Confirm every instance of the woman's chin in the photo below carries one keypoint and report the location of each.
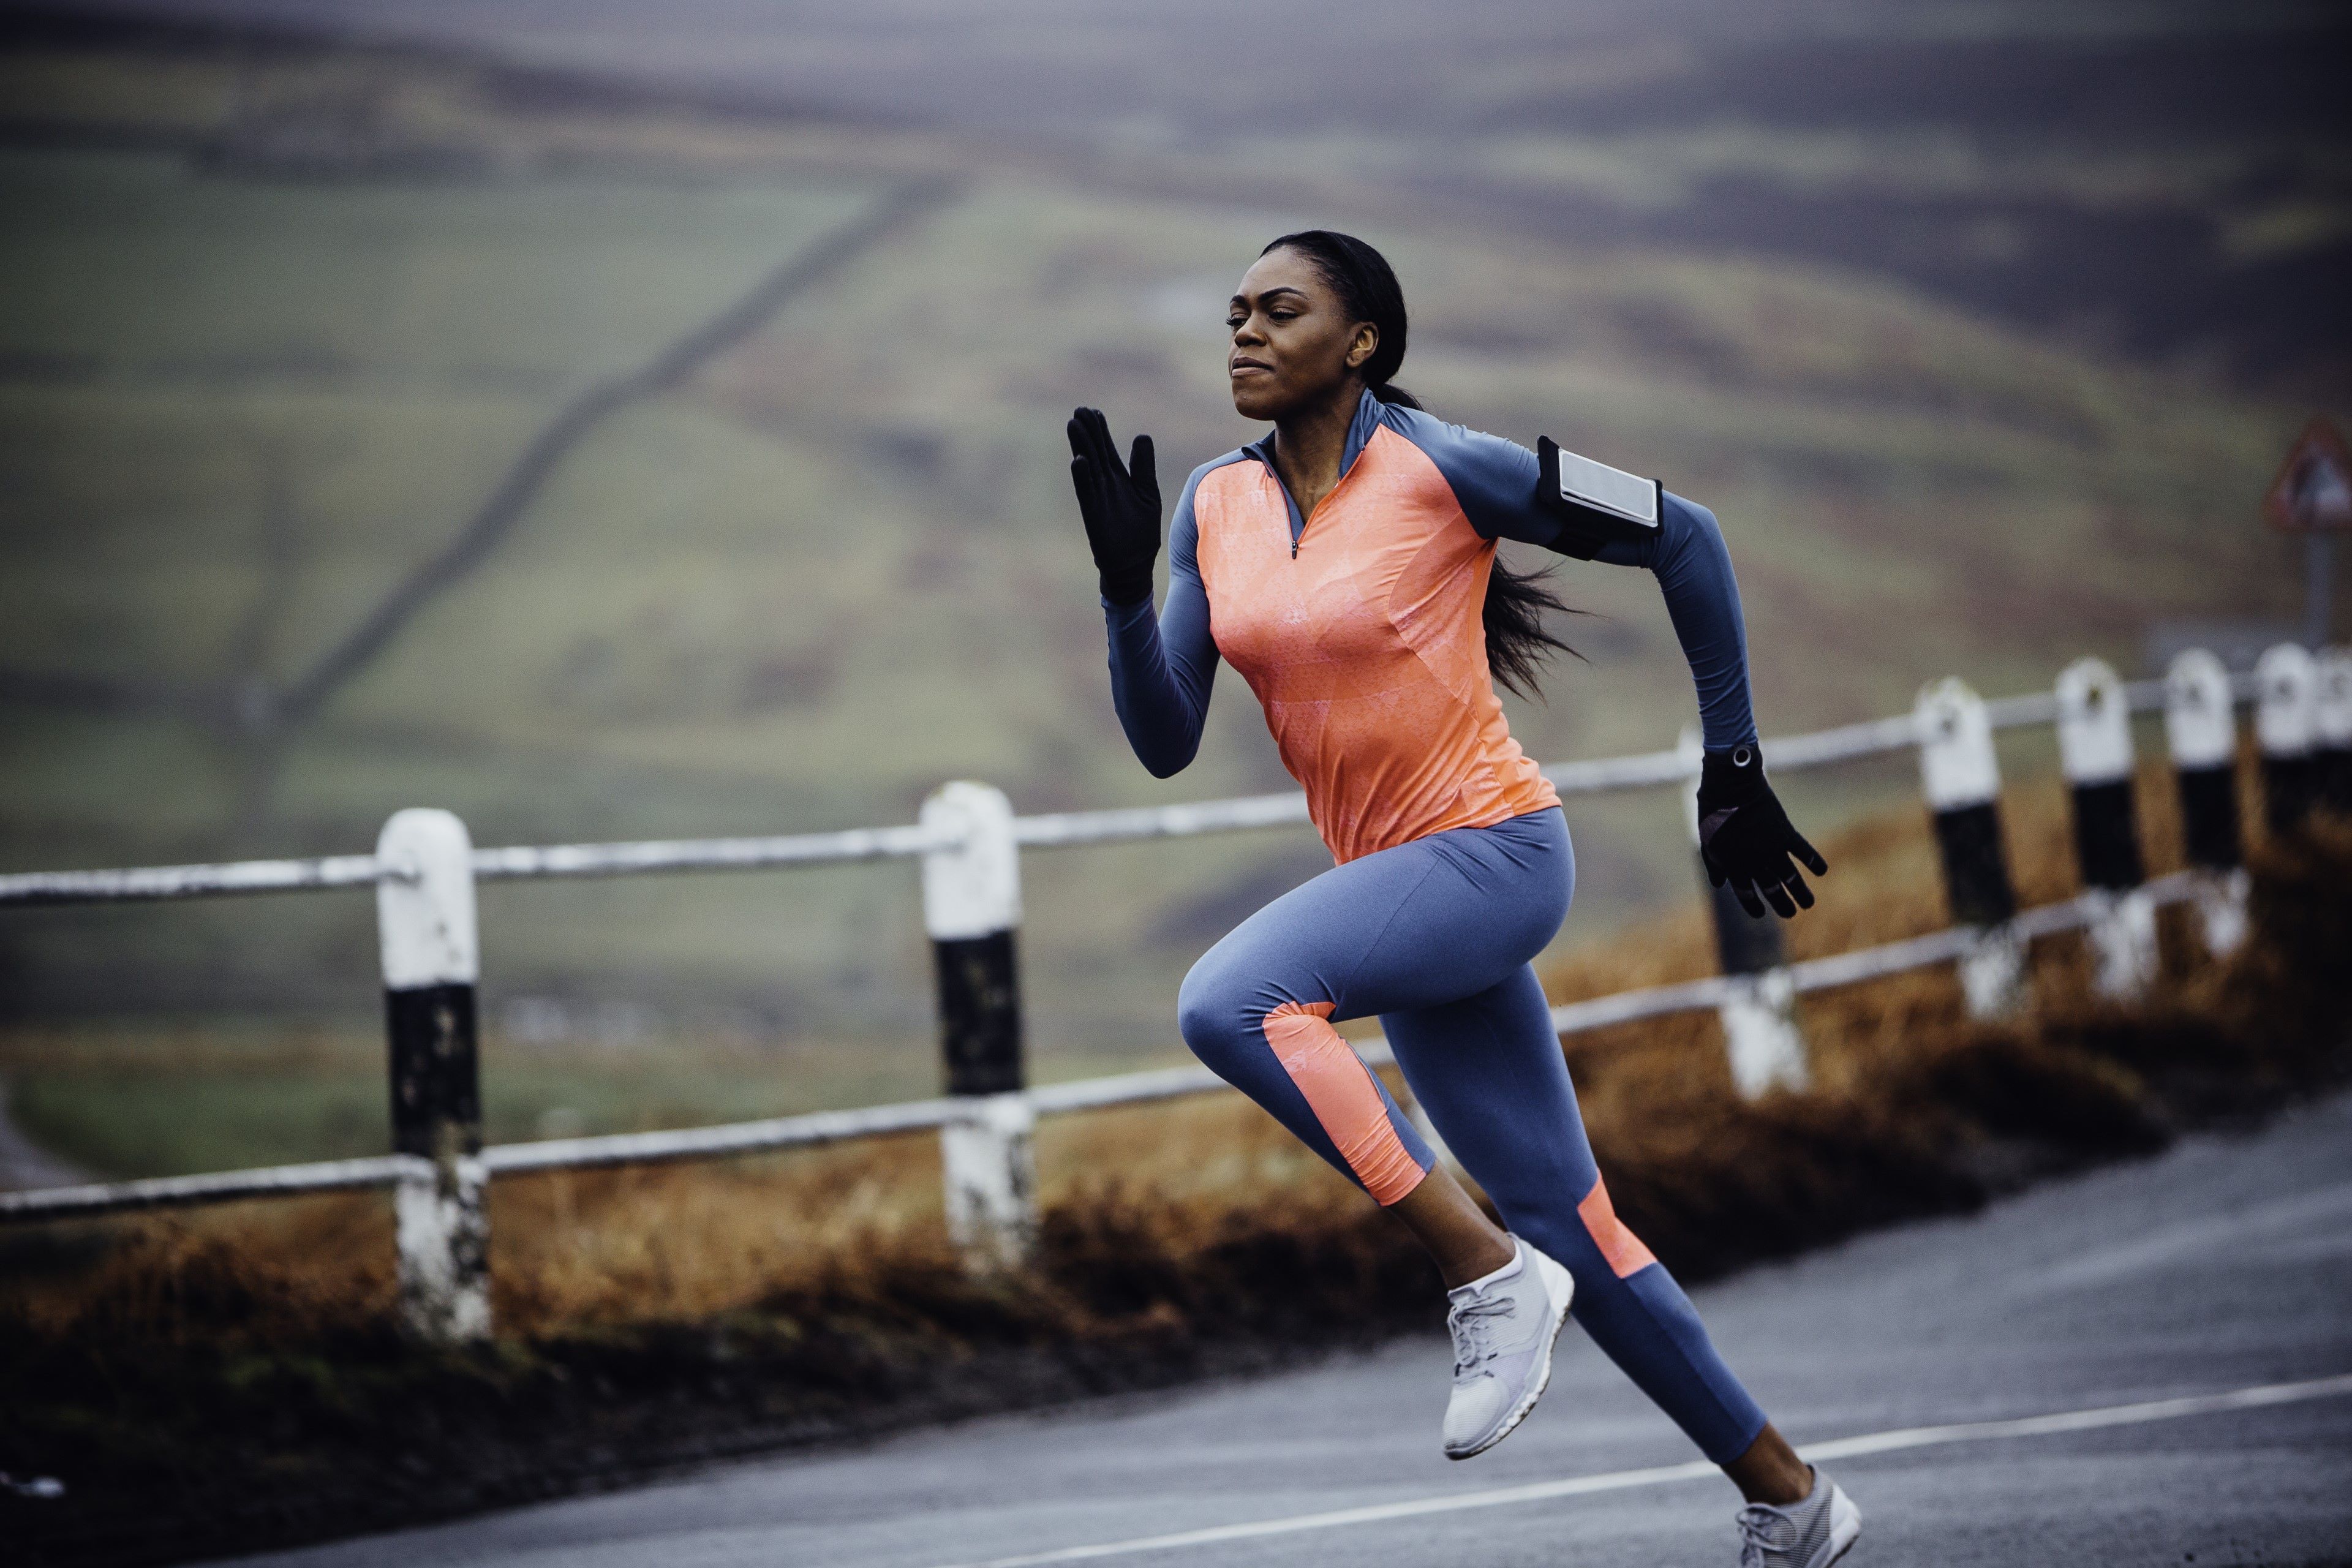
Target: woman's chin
(1255, 400)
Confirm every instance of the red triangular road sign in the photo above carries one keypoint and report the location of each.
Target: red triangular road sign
(2313, 488)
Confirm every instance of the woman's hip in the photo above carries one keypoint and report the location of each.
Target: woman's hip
(1429, 920)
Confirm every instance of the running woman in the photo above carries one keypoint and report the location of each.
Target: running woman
(1346, 566)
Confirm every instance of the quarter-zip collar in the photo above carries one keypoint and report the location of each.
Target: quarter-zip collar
(1360, 434)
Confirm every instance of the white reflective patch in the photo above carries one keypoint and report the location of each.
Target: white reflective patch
(425, 901)
(2286, 702)
(1957, 764)
(2197, 720)
(2095, 737)
(1611, 490)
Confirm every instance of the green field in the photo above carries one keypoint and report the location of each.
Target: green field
(839, 565)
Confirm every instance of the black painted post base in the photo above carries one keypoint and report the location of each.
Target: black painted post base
(2209, 817)
(1976, 866)
(2291, 791)
(2335, 780)
(979, 982)
(2107, 836)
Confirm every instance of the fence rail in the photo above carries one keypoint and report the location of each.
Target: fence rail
(224, 1187)
(968, 843)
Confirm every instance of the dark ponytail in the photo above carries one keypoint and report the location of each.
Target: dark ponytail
(1517, 641)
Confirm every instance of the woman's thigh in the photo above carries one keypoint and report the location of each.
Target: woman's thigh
(1431, 922)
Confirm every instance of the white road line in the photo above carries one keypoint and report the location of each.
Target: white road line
(2324, 1211)
(1620, 1480)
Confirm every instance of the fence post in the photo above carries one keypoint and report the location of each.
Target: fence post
(2200, 728)
(2286, 703)
(1961, 779)
(2094, 752)
(971, 907)
(2334, 729)
(1761, 1032)
(425, 922)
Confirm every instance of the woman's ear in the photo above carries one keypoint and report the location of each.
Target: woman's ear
(1365, 344)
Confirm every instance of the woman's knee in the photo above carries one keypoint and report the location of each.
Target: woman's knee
(1209, 1011)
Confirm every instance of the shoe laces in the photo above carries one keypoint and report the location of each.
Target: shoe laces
(1764, 1529)
(1472, 1324)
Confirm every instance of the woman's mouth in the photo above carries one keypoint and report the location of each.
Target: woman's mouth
(1238, 368)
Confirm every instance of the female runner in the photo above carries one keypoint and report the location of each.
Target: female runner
(1346, 564)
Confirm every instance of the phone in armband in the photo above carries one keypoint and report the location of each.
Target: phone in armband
(1597, 505)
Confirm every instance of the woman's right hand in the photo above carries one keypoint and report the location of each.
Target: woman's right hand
(1120, 504)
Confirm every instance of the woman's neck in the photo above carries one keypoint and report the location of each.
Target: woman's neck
(1310, 443)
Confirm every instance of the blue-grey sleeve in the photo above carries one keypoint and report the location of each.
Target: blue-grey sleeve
(1687, 556)
(1495, 482)
(1162, 665)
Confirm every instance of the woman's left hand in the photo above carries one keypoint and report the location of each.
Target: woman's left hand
(1120, 505)
(1746, 839)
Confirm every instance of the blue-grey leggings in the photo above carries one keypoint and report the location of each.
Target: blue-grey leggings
(1435, 936)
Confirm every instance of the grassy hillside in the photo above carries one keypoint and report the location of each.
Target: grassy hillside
(244, 390)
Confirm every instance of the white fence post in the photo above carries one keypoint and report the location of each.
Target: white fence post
(2286, 715)
(971, 907)
(1761, 1032)
(432, 958)
(2094, 752)
(2200, 728)
(1961, 778)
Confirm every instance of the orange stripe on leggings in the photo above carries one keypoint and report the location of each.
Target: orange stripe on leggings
(1339, 1090)
(1622, 1248)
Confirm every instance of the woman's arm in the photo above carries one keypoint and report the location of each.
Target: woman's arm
(1745, 838)
(1687, 556)
(1162, 667)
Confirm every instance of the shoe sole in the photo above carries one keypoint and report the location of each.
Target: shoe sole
(1562, 1286)
(1845, 1528)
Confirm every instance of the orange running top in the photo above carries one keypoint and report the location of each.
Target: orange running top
(1367, 649)
(1361, 629)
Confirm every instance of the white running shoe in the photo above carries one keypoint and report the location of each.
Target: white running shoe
(1813, 1533)
(1503, 1327)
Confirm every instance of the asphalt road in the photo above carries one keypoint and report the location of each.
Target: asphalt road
(2152, 1295)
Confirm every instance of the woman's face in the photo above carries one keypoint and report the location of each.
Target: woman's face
(1293, 345)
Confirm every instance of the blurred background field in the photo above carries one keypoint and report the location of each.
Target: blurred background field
(1981, 329)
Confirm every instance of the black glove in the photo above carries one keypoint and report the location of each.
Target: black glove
(1744, 836)
(1120, 506)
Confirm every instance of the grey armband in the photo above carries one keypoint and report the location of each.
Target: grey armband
(1596, 505)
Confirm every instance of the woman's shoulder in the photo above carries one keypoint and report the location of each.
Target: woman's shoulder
(1185, 527)
(1493, 479)
(1201, 476)
(1457, 447)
